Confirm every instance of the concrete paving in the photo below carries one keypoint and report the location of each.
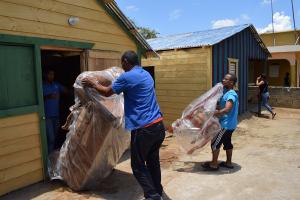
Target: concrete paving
(266, 160)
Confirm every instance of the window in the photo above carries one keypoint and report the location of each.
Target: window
(274, 71)
(233, 68)
(17, 77)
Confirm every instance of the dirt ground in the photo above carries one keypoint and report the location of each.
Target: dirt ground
(266, 166)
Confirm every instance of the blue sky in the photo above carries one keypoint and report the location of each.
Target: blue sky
(180, 16)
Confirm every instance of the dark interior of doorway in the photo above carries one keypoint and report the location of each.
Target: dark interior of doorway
(66, 66)
(256, 68)
(151, 71)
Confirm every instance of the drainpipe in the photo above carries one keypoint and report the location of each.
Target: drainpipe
(273, 23)
(295, 32)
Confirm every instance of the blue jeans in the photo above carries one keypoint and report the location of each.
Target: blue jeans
(264, 102)
(52, 127)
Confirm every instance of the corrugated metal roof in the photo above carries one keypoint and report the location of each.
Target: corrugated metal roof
(195, 39)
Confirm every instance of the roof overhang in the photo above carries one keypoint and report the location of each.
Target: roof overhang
(113, 9)
(284, 48)
(259, 40)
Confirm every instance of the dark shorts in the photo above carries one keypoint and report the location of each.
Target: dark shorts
(223, 137)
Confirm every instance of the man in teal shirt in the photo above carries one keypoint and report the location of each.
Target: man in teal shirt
(228, 119)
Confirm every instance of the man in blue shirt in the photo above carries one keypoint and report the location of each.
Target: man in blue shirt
(143, 118)
(227, 114)
(52, 91)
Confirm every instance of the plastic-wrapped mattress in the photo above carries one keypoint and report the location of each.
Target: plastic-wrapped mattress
(96, 138)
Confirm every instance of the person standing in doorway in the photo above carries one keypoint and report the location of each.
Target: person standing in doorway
(287, 82)
(263, 96)
(51, 92)
(143, 118)
(228, 113)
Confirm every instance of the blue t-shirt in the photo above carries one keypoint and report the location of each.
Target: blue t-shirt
(229, 121)
(52, 105)
(140, 103)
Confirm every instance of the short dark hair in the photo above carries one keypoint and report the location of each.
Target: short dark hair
(131, 57)
(263, 76)
(48, 70)
(233, 78)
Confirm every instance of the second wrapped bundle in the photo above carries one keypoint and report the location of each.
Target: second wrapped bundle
(197, 125)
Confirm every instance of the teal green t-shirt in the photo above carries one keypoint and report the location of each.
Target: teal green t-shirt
(229, 121)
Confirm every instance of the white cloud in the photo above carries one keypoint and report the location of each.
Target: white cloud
(131, 8)
(224, 22)
(266, 1)
(245, 17)
(281, 23)
(175, 14)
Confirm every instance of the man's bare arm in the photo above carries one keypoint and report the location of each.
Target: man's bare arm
(226, 109)
(93, 83)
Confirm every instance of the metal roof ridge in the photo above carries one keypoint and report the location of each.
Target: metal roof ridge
(193, 32)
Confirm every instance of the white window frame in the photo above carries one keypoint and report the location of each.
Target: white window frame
(233, 67)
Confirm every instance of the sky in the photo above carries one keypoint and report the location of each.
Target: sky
(170, 17)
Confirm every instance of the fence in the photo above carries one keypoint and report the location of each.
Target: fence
(288, 97)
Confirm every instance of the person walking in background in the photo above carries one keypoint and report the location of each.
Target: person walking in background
(287, 82)
(143, 118)
(263, 95)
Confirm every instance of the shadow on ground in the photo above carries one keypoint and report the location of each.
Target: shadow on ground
(120, 185)
(195, 167)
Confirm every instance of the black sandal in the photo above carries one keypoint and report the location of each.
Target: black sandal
(223, 164)
(207, 167)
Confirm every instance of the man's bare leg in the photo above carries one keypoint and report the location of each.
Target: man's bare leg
(229, 156)
(215, 156)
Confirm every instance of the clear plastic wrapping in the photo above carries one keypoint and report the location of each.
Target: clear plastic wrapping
(197, 125)
(96, 138)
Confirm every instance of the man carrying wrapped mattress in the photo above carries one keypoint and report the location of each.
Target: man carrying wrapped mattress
(143, 118)
(199, 124)
(228, 119)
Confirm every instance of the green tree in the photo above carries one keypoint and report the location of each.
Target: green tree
(146, 32)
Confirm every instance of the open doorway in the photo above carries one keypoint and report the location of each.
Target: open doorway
(66, 67)
(256, 67)
(151, 71)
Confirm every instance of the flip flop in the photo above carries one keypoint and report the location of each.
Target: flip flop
(273, 115)
(207, 167)
(223, 164)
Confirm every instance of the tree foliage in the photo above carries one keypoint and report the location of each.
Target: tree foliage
(146, 32)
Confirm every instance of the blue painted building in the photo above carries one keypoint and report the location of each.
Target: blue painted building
(211, 54)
